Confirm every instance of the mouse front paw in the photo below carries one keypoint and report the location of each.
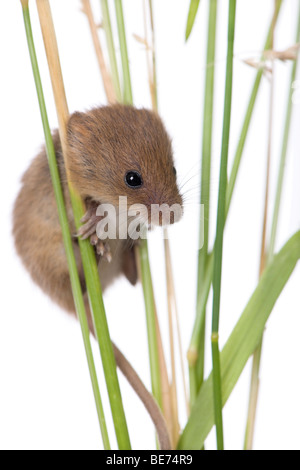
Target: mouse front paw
(89, 221)
(88, 230)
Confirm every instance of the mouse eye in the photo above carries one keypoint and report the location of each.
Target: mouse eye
(174, 171)
(133, 179)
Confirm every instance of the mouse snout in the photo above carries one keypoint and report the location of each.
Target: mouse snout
(164, 213)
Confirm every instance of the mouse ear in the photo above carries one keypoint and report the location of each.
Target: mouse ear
(76, 120)
(78, 127)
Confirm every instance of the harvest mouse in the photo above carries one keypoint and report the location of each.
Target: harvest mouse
(112, 151)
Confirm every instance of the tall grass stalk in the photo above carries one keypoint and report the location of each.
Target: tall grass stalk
(111, 49)
(87, 251)
(152, 324)
(242, 342)
(173, 314)
(171, 306)
(217, 271)
(165, 388)
(166, 400)
(257, 353)
(154, 77)
(171, 297)
(194, 5)
(63, 218)
(268, 251)
(172, 397)
(249, 112)
(284, 147)
(202, 300)
(197, 370)
(106, 78)
(127, 89)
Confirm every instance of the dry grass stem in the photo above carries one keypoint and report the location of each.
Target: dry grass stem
(170, 299)
(258, 64)
(271, 55)
(150, 52)
(288, 54)
(255, 380)
(173, 313)
(51, 48)
(181, 358)
(106, 77)
(165, 386)
(142, 41)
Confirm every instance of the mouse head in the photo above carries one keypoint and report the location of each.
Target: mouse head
(118, 151)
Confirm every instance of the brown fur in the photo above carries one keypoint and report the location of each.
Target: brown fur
(103, 145)
(108, 141)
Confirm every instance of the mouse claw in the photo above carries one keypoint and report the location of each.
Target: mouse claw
(103, 249)
(100, 248)
(88, 229)
(86, 216)
(94, 239)
(92, 208)
(108, 254)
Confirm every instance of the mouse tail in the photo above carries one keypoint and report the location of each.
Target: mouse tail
(146, 397)
(138, 386)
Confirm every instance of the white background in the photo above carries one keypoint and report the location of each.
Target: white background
(46, 400)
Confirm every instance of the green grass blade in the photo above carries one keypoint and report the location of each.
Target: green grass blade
(75, 282)
(88, 256)
(102, 333)
(205, 183)
(285, 140)
(194, 5)
(242, 342)
(151, 322)
(127, 92)
(111, 48)
(221, 216)
(202, 299)
(250, 425)
(248, 115)
(154, 75)
(143, 248)
(218, 249)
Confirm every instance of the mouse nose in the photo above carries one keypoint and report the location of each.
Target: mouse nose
(165, 214)
(165, 206)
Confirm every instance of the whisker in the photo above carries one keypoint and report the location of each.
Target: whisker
(184, 183)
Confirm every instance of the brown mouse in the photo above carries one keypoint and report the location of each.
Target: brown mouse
(113, 151)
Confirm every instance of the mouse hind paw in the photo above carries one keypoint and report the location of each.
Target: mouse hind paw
(102, 248)
(88, 230)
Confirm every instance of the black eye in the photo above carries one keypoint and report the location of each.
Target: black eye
(174, 171)
(133, 179)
